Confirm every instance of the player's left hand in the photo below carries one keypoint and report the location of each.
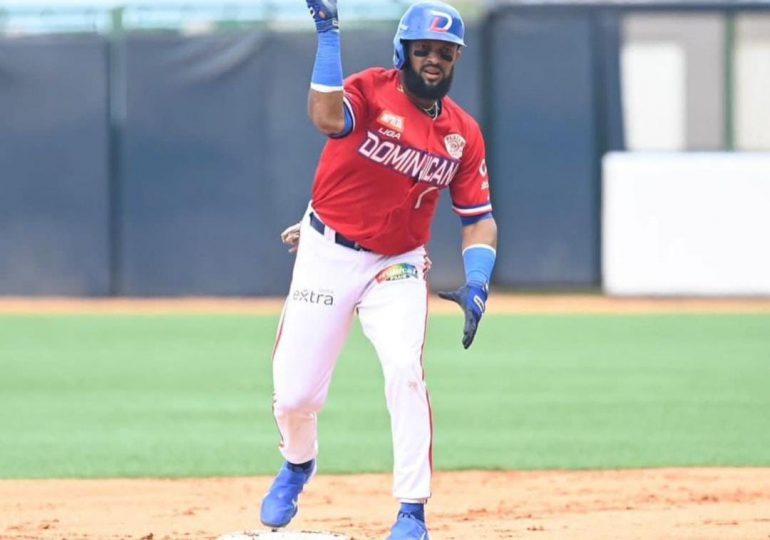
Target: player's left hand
(324, 13)
(472, 298)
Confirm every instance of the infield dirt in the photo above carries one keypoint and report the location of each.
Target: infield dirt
(654, 504)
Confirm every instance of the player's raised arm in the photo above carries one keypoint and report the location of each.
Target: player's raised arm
(325, 104)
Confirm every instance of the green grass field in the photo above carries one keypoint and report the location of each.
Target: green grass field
(127, 396)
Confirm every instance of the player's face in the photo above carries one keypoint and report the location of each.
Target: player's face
(433, 60)
(430, 69)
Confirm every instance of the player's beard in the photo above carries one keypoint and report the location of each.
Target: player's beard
(417, 85)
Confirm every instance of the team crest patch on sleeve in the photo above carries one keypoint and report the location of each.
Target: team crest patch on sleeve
(397, 272)
(455, 144)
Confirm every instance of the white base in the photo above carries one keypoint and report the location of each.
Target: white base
(283, 535)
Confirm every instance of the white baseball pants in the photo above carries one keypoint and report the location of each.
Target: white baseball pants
(330, 283)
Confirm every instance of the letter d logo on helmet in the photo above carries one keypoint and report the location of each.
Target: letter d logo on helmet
(427, 20)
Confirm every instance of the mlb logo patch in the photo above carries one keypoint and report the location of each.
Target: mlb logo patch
(392, 121)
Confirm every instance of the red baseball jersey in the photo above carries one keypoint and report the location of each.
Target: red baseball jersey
(380, 184)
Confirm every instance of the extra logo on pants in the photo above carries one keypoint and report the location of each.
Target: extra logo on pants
(323, 296)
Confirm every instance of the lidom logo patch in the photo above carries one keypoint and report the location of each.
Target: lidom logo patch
(398, 272)
(392, 121)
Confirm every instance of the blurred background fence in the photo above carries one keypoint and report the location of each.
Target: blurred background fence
(160, 149)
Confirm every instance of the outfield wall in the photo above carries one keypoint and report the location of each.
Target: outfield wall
(686, 224)
(166, 164)
(54, 166)
(185, 156)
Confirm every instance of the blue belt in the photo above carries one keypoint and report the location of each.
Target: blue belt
(319, 226)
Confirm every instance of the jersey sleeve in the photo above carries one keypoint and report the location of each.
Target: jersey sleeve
(470, 188)
(354, 98)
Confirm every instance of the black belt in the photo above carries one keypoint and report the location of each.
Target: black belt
(318, 225)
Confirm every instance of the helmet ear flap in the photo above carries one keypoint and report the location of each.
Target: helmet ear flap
(399, 54)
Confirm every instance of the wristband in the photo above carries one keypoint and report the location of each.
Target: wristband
(327, 71)
(479, 260)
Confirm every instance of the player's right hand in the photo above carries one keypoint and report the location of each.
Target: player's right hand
(290, 237)
(472, 298)
(324, 13)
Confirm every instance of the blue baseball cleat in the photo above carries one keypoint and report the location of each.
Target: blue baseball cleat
(280, 504)
(408, 527)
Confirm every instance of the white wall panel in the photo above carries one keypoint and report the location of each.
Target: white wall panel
(686, 224)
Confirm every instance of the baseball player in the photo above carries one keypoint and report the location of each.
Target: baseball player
(395, 143)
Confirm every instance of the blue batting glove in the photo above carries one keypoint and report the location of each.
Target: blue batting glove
(324, 13)
(472, 298)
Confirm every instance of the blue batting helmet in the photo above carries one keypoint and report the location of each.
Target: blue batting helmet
(427, 20)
